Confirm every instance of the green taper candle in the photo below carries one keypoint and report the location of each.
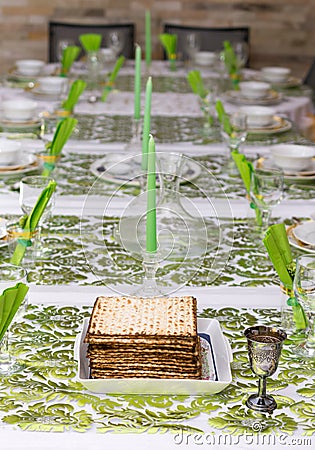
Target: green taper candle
(151, 241)
(137, 87)
(148, 38)
(146, 124)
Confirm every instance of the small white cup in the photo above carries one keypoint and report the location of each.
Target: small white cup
(276, 74)
(254, 89)
(52, 85)
(29, 67)
(9, 152)
(19, 110)
(258, 116)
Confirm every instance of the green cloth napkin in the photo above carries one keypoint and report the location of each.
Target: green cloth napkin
(69, 55)
(109, 85)
(196, 83)
(279, 250)
(223, 118)
(31, 221)
(10, 301)
(246, 169)
(63, 131)
(231, 63)
(169, 43)
(76, 90)
(91, 42)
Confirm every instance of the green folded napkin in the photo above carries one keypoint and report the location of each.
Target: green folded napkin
(196, 83)
(10, 301)
(231, 63)
(69, 55)
(223, 118)
(63, 131)
(76, 90)
(246, 170)
(31, 221)
(279, 250)
(169, 43)
(91, 42)
(110, 83)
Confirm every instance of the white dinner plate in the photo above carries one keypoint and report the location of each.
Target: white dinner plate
(278, 125)
(26, 163)
(298, 244)
(219, 358)
(272, 98)
(304, 176)
(18, 124)
(114, 169)
(305, 233)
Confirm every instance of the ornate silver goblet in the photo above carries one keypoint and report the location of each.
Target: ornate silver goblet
(264, 349)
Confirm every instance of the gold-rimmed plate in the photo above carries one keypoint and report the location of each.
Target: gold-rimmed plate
(278, 125)
(272, 98)
(27, 163)
(307, 176)
(296, 243)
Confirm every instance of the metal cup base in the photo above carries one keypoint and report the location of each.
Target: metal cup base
(261, 404)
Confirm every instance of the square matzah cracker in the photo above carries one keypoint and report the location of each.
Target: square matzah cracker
(133, 317)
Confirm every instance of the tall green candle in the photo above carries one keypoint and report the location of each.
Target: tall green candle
(151, 241)
(148, 38)
(146, 124)
(137, 87)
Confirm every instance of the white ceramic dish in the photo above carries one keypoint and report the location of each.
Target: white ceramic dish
(29, 67)
(278, 125)
(205, 58)
(303, 177)
(291, 157)
(305, 233)
(222, 358)
(254, 89)
(276, 74)
(51, 85)
(26, 164)
(258, 116)
(9, 152)
(18, 110)
(114, 169)
(272, 98)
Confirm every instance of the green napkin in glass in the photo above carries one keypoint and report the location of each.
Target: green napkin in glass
(196, 83)
(10, 301)
(69, 55)
(223, 118)
(63, 131)
(76, 90)
(169, 43)
(31, 221)
(279, 250)
(231, 63)
(111, 80)
(91, 42)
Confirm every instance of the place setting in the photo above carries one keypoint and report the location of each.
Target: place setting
(279, 77)
(254, 93)
(13, 160)
(264, 120)
(19, 115)
(301, 235)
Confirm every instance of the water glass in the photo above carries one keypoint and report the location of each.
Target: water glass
(116, 41)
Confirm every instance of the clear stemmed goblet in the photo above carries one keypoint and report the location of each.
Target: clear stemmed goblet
(264, 350)
(304, 291)
(241, 50)
(192, 46)
(116, 42)
(236, 136)
(266, 191)
(30, 189)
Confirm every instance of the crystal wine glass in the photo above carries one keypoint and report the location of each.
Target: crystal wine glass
(116, 41)
(266, 191)
(304, 291)
(241, 50)
(264, 350)
(192, 46)
(236, 136)
(30, 189)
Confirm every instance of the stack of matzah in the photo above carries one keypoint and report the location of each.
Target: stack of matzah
(144, 337)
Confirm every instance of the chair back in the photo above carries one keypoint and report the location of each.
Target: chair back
(211, 39)
(309, 79)
(68, 31)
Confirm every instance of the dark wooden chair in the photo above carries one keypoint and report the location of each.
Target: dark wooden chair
(211, 39)
(61, 30)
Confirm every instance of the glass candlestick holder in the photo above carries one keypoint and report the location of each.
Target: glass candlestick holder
(149, 287)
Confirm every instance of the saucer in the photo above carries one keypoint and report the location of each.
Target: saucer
(302, 176)
(26, 163)
(38, 92)
(16, 124)
(295, 242)
(278, 125)
(305, 233)
(272, 98)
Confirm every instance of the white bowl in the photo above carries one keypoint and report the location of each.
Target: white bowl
(52, 85)
(205, 58)
(29, 67)
(254, 89)
(9, 152)
(258, 116)
(18, 110)
(292, 157)
(276, 74)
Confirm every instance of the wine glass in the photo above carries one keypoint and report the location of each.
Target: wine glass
(30, 189)
(304, 291)
(266, 191)
(234, 136)
(264, 350)
(116, 42)
(192, 45)
(241, 50)
(62, 45)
